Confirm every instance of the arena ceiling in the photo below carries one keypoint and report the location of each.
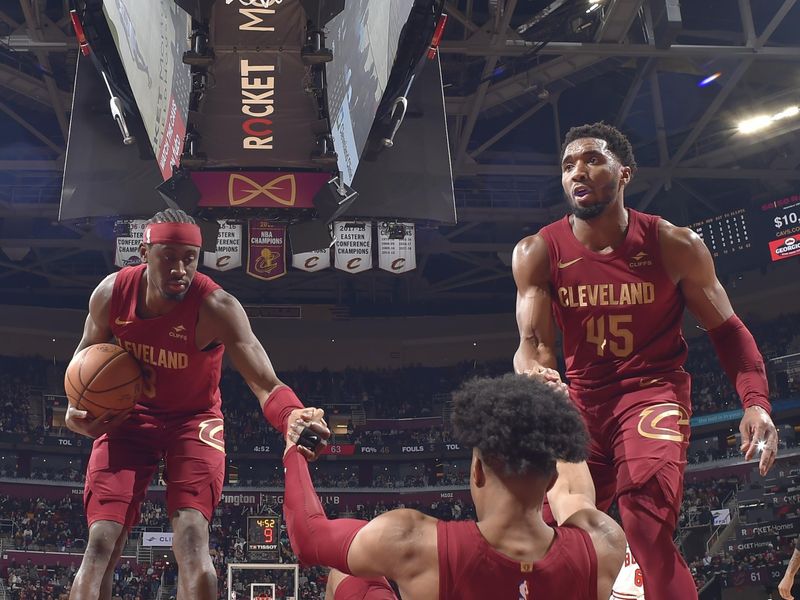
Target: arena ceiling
(517, 75)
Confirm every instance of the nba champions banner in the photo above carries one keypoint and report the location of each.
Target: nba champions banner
(266, 257)
(396, 255)
(353, 245)
(229, 248)
(127, 251)
(317, 260)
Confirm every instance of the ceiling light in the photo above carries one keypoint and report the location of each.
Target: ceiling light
(760, 122)
(593, 7)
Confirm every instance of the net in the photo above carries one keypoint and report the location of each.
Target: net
(263, 581)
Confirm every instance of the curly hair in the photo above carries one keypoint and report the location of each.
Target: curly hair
(618, 143)
(520, 423)
(171, 215)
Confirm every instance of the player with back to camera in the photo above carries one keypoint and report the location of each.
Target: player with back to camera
(517, 428)
(617, 281)
(177, 323)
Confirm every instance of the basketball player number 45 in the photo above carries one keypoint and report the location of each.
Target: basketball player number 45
(621, 342)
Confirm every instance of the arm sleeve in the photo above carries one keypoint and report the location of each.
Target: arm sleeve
(315, 539)
(279, 405)
(742, 362)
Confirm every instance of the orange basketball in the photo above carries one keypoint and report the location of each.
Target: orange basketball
(103, 377)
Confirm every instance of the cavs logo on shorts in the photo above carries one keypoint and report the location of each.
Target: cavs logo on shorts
(663, 422)
(212, 433)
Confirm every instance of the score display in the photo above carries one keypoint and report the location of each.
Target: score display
(725, 234)
(263, 538)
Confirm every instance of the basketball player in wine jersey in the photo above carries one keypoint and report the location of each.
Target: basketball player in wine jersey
(617, 282)
(177, 323)
(517, 428)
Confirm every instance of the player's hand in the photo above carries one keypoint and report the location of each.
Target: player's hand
(759, 433)
(550, 376)
(785, 588)
(80, 421)
(307, 418)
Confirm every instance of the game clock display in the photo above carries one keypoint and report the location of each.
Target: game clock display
(263, 537)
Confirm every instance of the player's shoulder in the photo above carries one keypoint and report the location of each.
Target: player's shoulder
(104, 289)
(531, 257)
(679, 244)
(219, 303)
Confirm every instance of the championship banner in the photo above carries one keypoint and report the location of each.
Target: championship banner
(396, 247)
(266, 257)
(229, 248)
(127, 251)
(316, 260)
(353, 245)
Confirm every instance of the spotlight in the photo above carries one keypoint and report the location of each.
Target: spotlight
(760, 122)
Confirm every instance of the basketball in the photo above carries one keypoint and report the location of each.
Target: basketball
(103, 377)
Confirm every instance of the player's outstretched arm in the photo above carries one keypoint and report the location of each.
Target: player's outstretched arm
(785, 585)
(572, 500)
(691, 265)
(399, 544)
(537, 336)
(222, 319)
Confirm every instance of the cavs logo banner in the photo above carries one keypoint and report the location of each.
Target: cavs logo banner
(316, 260)
(353, 245)
(127, 251)
(396, 254)
(266, 257)
(229, 248)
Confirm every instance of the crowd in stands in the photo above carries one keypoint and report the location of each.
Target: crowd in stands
(734, 568)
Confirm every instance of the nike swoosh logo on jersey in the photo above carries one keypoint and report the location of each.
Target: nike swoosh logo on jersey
(119, 321)
(564, 265)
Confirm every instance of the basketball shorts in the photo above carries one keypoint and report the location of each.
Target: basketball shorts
(638, 429)
(123, 463)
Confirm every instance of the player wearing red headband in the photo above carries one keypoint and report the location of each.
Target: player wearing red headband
(177, 323)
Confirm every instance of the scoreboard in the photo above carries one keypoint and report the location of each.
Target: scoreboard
(263, 538)
(748, 238)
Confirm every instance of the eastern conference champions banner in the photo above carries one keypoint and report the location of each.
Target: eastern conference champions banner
(127, 251)
(317, 260)
(228, 255)
(353, 245)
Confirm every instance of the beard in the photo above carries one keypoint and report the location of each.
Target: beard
(173, 297)
(592, 211)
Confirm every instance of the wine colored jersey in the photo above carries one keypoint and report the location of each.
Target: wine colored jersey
(620, 313)
(179, 379)
(470, 569)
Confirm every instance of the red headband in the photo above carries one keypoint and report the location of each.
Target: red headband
(173, 233)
